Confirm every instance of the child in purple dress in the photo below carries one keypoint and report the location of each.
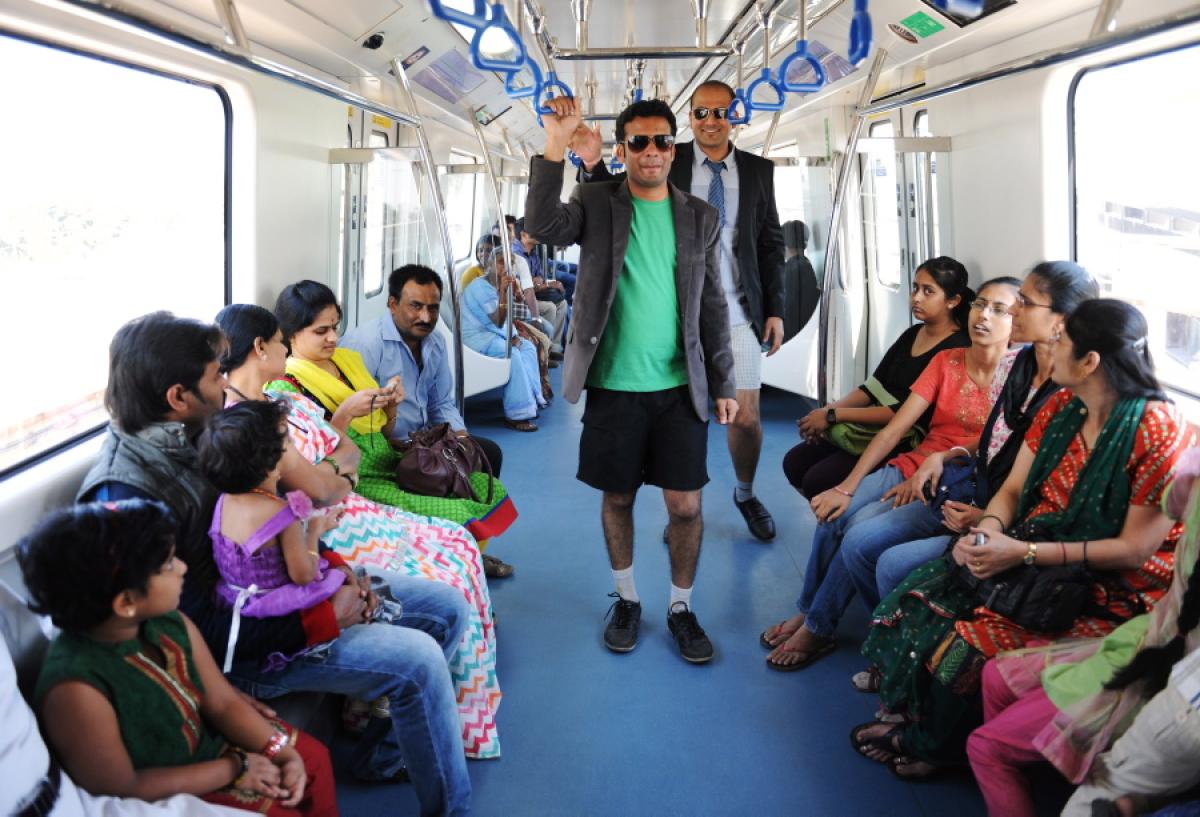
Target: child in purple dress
(265, 546)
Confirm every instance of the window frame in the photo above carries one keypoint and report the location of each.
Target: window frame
(1072, 169)
(52, 451)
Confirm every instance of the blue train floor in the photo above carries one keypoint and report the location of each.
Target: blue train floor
(586, 732)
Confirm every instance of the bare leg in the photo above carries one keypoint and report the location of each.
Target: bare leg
(684, 530)
(616, 516)
(745, 436)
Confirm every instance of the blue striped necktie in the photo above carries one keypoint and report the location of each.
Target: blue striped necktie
(716, 187)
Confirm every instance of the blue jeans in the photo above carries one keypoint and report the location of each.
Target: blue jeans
(866, 540)
(565, 271)
(828, 586)
(406, 662)
(897, 562)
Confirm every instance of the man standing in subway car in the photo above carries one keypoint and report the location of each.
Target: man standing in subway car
(649, 340)
(742, 187)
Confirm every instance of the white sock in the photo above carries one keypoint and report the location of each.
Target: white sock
(680, 594)
(743, 491)
(626, 588)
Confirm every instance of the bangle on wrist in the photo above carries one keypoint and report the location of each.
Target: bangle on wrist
(243, 764)
(990, 516)
(274, 746)
(1030, 553)
(352, 478)
(950, 453)
(337, 469)
(839, 490)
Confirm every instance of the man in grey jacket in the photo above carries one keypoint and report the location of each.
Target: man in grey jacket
(649, 340)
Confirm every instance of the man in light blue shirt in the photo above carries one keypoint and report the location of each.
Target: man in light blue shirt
(404, 343)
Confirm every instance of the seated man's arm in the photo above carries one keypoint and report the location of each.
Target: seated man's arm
(440, 406)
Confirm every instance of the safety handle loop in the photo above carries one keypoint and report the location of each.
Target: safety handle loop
(498, 19)
(465, 18)
(802, 53)
(524, 91)
(739, 112)
(860, 33)
(637, 95)
(551, 83)
(967, 8)
(766, 79)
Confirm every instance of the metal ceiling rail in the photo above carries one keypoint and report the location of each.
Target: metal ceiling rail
(161, 27)
(1042, 59)
(660, 52)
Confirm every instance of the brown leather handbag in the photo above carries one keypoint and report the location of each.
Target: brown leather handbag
(435, 461)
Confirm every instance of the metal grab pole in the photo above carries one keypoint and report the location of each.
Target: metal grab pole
(505, 244)
(231, 21)
(839, 202)
(439, 207)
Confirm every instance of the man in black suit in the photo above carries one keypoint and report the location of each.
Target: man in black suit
(742, 187)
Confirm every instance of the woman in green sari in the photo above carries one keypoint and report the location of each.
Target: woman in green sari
(337, 380)
(1085, 490)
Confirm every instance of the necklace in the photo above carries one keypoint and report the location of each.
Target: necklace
(265, 492)
(237, 391)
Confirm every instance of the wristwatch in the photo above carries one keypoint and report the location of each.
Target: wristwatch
(831, 417)
(1031, 554)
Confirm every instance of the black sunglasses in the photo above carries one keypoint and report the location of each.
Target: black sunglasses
(662, 141)
(702, 113)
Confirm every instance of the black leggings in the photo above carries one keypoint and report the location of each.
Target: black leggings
(816, 466)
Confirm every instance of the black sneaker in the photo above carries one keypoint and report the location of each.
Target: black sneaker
(694, 645)
(621, 634)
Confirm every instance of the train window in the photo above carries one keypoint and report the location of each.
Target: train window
(1136, 205)
(377, 224)
(462, 192)
(927, 186)
(100, 226)
(881, 208)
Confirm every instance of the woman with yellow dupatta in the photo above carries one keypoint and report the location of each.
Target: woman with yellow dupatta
(337, 380)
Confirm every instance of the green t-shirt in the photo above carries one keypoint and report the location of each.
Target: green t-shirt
(642, 346)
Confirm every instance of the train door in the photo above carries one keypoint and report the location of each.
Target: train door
(803, 192)
(904, 221)
(382, 227)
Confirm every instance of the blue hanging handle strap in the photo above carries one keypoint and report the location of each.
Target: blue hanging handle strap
(967, 8)
(551, 83)
(739, 112)
(860, 33)
(498, 19)
(769, 81)
(802, 53)
(524, 91)
(452, 15)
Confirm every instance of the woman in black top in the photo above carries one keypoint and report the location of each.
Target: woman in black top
(940, 301)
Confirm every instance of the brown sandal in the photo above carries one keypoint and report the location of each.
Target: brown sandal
(520, 425)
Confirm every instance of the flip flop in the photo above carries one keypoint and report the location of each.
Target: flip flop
(766, 642)
(882, 743)
(810, 657)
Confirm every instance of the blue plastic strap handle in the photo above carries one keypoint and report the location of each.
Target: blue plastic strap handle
(860, 33)
(766, 79)
(523, 91)
(738, 103)
(967, 8)
(552, 83)
(637, 95)
(465, 18)
(498, 19)
(802, 53)
(574, 158)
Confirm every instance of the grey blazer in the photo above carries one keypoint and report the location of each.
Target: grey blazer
(598, 218)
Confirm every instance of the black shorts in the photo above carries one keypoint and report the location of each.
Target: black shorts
(634, 438)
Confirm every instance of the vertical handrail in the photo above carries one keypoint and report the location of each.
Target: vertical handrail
(439, 208)
(505, 243)
(839, 202)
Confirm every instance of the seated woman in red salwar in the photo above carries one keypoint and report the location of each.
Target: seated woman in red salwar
(160, 717)
(1085, 490)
